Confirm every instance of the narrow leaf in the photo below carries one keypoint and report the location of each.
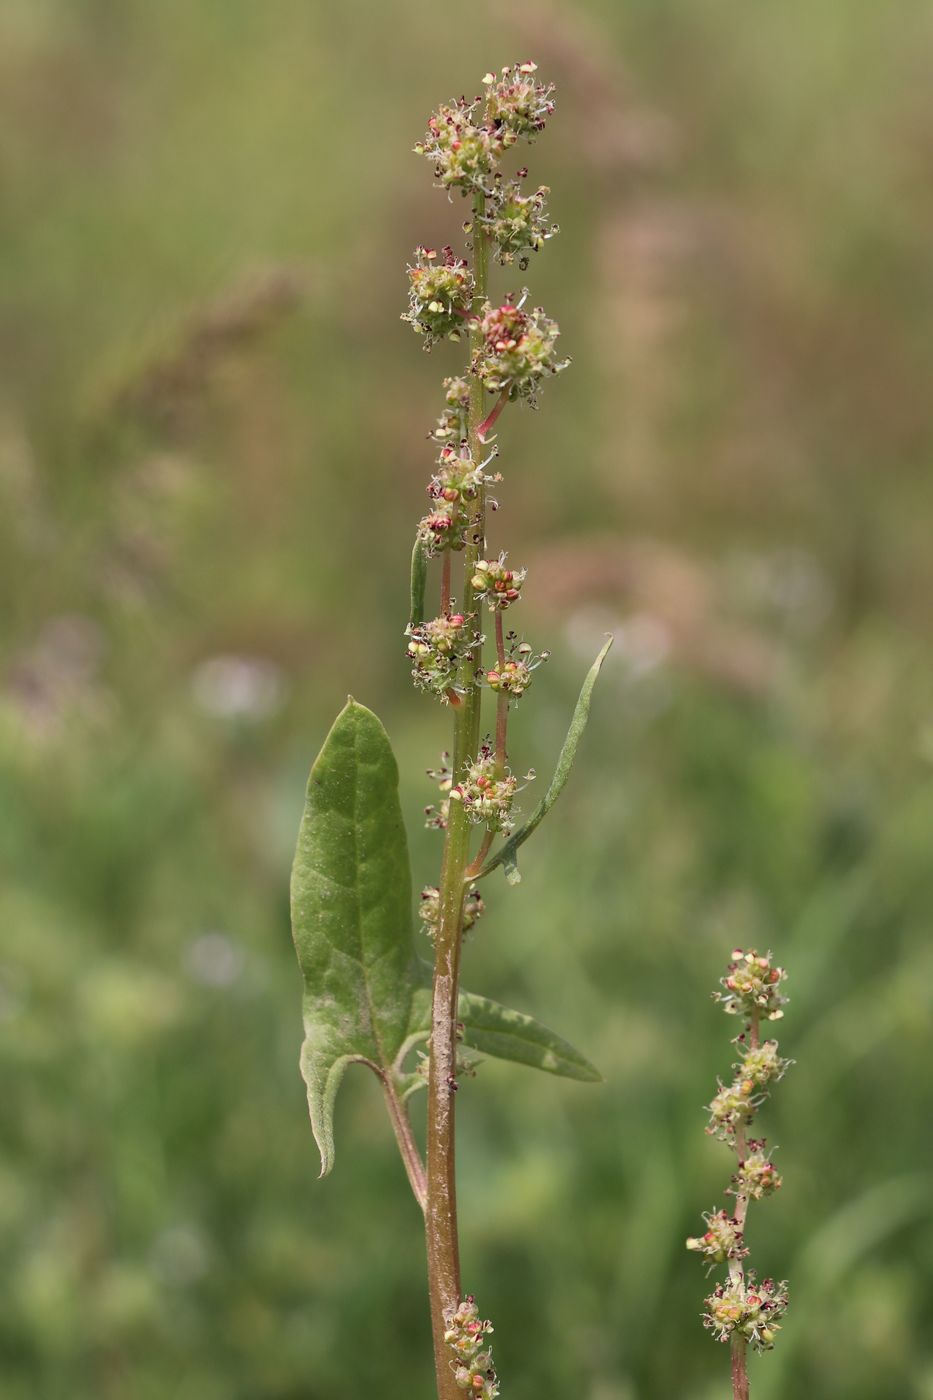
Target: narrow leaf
(419, 578)
(351, 914)
(506, 855)
(496, 1030)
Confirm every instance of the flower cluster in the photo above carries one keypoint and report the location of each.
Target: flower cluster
(430, 909)
(516, 222)
(455, 484)
(465, 1334)
(722, 1240)
(462, 151)
(756, 1176)
(436, 649)
(498, 585)
(486, 794)
(753, 1311)
(435, 817)
(466, 138)
(440, 295)
(516, 104)
(453, 421)
(751, 986)
(512, 677)
(518, 350)
(739, 1309)
(735, 1103)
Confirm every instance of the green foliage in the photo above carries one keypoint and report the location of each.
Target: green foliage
(351, 922)
(753, 430)
(351, 914)
(506, 855)
(506, 1035)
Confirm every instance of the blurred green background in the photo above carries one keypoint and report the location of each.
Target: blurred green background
(212, 454)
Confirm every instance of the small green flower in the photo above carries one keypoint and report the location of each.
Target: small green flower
(752, 1310)
(453, 422)
(756, 1176)
(512, 677)
(462, 151)
(752, 986)
(761, 1064)
(440, 296)
(733, 1106)
(517, 106)
(516, 222)
(465, 1334)
(429, 909)
(501, 587)
(518, 351)
(436, 649)
(721, 1241)
(486, 795)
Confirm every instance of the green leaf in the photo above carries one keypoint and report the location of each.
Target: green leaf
(496, 1030)
(351, 914)
(506, 855)
(419, 577)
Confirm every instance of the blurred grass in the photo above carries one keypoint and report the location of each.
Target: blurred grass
(211, 456)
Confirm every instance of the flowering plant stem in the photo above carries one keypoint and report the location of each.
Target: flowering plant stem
(441, 1206)
(368, 997)
(741, 1310)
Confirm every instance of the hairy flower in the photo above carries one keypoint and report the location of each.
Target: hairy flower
(436, 649)
(513, 676)
(756, 1176)
(465, 1334)
(751, 986)
(462, 150)
(752, 1310)
(486, 794)
(430, 909)
(517, 106)
(722, 1239)
(733, 1106)
(452, 424)
(518, 350)
(761, 1064)
(516, 222)
(501, 587)
(440, 295)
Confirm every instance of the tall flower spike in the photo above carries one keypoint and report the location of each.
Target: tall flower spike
(739, 1310)
(511, 350)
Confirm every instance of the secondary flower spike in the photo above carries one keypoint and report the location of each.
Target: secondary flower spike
(740, 1311)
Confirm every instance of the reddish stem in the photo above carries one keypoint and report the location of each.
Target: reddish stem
(739, 1369)
(488, 422)
(445, 584)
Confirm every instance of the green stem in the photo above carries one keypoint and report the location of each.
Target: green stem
(443, 1246)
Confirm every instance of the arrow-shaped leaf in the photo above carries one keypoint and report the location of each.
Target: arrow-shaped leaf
(351, 914)
(507, 854)
(496, 1030)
